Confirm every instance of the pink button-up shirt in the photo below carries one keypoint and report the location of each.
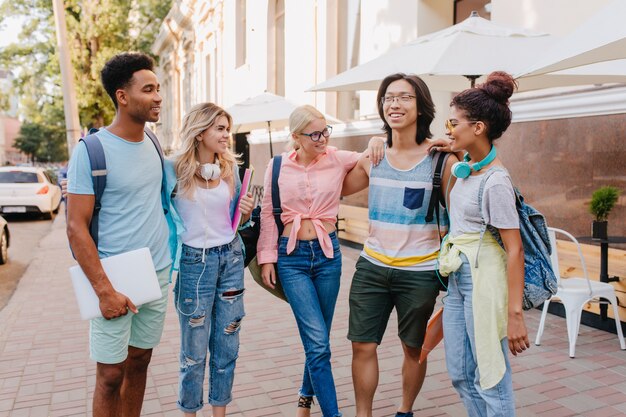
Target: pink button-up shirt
(306, 193)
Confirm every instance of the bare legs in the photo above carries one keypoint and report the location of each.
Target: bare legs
(365, 376)
(120, 387)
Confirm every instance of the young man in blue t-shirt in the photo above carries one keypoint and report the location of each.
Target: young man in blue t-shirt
(131, 217)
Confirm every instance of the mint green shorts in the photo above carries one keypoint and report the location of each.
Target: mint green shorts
(109, 339)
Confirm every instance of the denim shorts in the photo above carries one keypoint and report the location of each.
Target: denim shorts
(376, 290)
(109, 339)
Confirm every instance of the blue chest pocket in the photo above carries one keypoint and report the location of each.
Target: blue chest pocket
(413, 198)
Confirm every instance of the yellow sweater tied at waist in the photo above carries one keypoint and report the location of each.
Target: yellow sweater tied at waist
(489, 295)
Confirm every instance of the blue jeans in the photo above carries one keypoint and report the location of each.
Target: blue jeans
(209, 300)
(458, 329)
(311, 284)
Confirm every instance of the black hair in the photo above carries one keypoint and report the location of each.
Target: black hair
(425, 105)
(118, 71)
(489, 103)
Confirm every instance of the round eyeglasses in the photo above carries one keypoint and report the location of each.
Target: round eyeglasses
(317, 135)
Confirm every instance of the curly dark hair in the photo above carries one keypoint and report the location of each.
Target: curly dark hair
(425, 105)
(118, 71)
(489, 103)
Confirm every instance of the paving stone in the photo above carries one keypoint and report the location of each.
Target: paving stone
(45, 368)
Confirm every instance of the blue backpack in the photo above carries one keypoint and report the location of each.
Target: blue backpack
(539, 280)
(98, 164)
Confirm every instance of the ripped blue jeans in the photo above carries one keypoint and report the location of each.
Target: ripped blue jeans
(209, 300)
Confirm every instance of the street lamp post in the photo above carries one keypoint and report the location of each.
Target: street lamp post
(72, 124)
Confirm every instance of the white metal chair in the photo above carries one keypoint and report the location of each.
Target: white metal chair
(574, 293)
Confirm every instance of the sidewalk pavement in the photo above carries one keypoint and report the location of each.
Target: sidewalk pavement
(45, 368)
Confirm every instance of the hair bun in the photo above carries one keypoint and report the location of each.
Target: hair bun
(500, 86)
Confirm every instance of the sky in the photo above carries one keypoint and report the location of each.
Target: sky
(9, 30)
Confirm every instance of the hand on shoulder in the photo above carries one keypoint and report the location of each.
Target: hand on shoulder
(440, 145)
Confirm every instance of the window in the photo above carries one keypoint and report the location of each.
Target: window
(463, 8)
(19, 177)
(188, 74)
(208, 70)
(241, 32)
(279, 45)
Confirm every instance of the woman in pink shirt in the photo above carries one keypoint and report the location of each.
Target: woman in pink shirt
(307, 254)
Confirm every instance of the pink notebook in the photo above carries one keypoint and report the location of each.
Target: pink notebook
(245, 187)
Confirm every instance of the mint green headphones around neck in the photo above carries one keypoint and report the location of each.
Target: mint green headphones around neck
(463, 169)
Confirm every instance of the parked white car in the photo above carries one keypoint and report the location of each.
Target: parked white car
(28, 190)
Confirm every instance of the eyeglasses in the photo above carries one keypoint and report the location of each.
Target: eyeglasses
(317, 135)
(404, 98)
(450, 125)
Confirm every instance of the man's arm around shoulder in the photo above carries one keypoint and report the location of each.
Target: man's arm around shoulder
(79, 211)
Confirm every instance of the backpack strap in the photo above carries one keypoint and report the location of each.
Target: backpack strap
(156, 143)
(97, 160)
(276, 207)
(481, 192)
(436, 196)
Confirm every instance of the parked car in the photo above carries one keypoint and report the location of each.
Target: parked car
(28, 190)
(5, 241)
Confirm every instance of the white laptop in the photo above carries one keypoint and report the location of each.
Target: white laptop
(131, 273)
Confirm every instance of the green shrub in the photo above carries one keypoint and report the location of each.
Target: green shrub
(602, 202)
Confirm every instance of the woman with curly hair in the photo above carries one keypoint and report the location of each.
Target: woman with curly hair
(482, 317)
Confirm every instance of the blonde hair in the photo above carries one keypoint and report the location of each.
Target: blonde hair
(300, 119)
(201, 117)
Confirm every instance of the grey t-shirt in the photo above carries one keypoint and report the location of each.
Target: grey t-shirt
(498, 204)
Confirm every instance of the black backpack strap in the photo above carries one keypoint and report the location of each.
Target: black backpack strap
(436, 195)
(276, 208)
(97, 160)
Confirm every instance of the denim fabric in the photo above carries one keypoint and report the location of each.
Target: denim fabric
(209, 300)
(458, 329)
(311, 284)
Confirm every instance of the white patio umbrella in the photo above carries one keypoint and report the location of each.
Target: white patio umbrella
(453, 58)
(598, 73)
(260, 112)
(601, 38)
(264, 111)
(448, 60)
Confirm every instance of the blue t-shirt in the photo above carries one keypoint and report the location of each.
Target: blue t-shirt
(131, 216)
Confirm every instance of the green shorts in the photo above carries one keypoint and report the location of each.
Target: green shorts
(109, 339)
(376, 290)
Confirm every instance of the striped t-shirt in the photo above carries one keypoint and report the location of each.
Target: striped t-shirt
(399, 236)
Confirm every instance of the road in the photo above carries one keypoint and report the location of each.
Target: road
(26, 232)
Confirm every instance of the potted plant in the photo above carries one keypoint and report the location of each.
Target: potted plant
(602, 202)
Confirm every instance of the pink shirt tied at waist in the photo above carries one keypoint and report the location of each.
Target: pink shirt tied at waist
(306, 193)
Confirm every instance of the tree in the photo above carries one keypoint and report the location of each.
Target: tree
(28, 140)
(42, 143)
(97, 30)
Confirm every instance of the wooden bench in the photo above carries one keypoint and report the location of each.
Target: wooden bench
(569, 264)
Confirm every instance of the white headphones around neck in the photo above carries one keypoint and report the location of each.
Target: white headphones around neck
(210, 171)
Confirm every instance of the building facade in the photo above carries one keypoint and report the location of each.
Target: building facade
(562, 145)
(9, 123)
